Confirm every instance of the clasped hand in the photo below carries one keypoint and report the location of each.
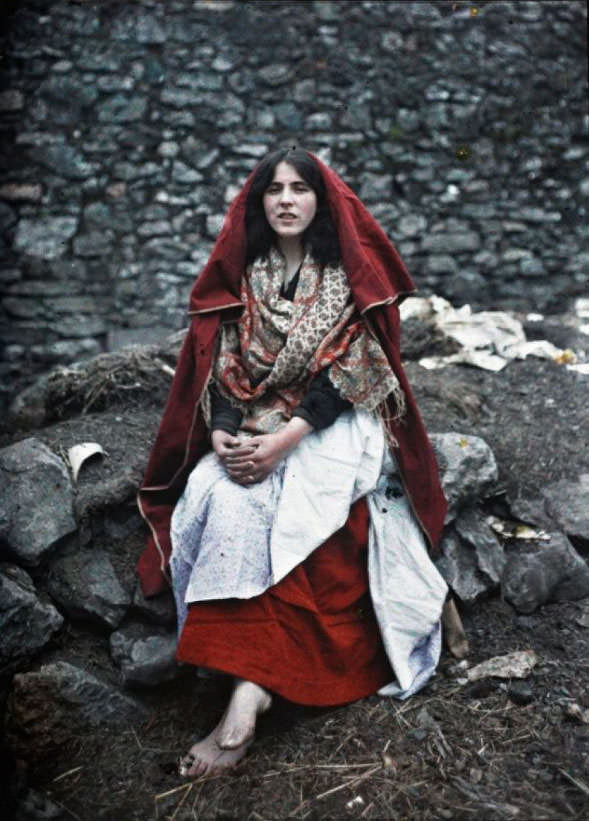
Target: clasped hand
(250, 461)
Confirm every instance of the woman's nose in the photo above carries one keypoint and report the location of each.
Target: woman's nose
(286, 196)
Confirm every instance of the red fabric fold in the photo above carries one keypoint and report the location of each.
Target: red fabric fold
(312, 638)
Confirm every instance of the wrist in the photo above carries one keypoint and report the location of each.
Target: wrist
(292, 433)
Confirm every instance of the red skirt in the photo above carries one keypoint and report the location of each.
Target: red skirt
(312, 638)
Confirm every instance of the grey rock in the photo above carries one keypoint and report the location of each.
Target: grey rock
(531, 511)
(67, 89)
(473, 529)
(289, 115)
(537, 215)
(276, 74)
(23, 308)
(32, 522)
(54, 706)
(46, 237)
(451, 243)
(11, 100)
(20, 192)
(9, 276)
(184, 173)
(28, 624)
(70, 304)
(7, 216)
(466, 286)
(122, 109)
(94, 243)
(532, 267)
(568, 504)
(154, 229)
(65, 161)
(412, 225)
(440, 264)
(145, 654)
(86, 586)
(467, 468)
(79, 327)
(319, 121)
(180, 97)
(139, 26)
(459, 568)
(544, 572)
(132, 171)
(356, 115)
(114, 82)
(158, 609)
(376, 187)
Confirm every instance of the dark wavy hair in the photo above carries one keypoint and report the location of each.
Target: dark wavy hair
(321, 234)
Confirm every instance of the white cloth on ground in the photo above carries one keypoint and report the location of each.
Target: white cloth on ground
(233, 541)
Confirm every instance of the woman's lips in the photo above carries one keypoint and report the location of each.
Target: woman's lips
(286, 217)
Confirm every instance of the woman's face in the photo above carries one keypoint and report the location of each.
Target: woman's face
(289, 202)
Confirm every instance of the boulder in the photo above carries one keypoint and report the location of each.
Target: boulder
(467, 468)
(145, 654)
(57, 704)
(158, 609)
(28, 624)
(568, 504)
(476, 533)
(36, 500)
(86, 586)
(459, 568)
(544, 572)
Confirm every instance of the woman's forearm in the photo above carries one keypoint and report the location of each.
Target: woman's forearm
(292, 433)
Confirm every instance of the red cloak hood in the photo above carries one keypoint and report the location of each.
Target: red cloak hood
(378, 282)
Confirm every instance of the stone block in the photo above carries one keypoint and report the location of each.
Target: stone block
(56, 705)
(31, 521)
(28, 624)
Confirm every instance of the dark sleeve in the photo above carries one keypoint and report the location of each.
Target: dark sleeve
(322, 404)
(223, 415)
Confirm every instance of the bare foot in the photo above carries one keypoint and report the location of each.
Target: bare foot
(229, 741)
(454, 631)
(207, 758)
(238, 725)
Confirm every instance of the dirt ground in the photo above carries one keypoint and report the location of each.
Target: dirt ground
(482, 750)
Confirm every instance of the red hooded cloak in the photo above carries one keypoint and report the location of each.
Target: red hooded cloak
(378, 281)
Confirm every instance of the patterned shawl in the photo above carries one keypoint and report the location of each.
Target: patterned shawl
(266, 361)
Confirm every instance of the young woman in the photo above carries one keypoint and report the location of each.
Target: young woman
(292, 492)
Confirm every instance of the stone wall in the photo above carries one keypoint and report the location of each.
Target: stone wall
(128, 126)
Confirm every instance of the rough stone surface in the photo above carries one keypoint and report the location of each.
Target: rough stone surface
(134, 106)
(145, 654)
(467, 468)
(28, 624)
(458, 565)
(544, 572)
(46, 237)
(50, 708)
(568, 504)
(490, 557)
(157, 610)
(86, 586)
(36, 500)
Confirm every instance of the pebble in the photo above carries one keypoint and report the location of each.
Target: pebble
(520, 692)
